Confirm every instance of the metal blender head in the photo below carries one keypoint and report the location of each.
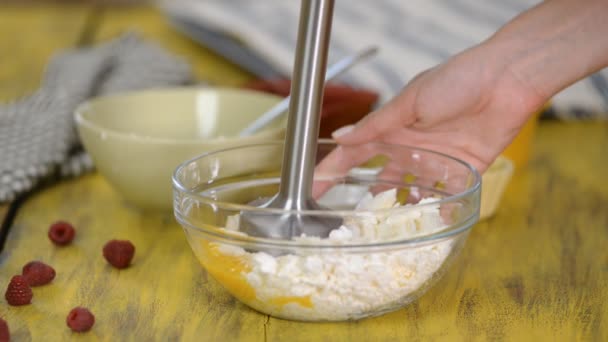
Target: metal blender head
(299, 155)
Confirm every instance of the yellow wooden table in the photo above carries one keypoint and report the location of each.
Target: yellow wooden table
(538, 270)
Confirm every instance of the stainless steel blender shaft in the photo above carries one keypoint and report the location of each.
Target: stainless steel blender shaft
(295, 189)
(305, 106)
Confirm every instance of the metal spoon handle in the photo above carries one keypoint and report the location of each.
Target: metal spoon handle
(333, 71)
(305, 105)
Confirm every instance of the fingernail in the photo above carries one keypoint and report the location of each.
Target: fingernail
(342, 131)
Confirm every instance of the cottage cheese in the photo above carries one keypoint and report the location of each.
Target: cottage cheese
(339, 285)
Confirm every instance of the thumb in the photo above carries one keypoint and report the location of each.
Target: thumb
(396, 113)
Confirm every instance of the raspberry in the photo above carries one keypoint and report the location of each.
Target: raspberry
(119, 253)
(37, 273)
(18, 291)
(61, 233)
(5, 335)
(80, 319)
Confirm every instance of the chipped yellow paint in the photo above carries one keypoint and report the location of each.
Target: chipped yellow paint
(164, 295)
(536, 271)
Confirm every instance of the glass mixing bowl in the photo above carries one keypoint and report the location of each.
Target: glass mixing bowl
(405, 212)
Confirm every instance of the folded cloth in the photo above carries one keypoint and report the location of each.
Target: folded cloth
(37, 134)
(413, 35)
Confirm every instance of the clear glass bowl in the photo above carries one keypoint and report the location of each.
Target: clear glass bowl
(393, 248)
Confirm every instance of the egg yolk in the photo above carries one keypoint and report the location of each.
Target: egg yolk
(230, 270)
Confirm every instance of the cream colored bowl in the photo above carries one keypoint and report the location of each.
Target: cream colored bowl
(494, 182)
(137, 139)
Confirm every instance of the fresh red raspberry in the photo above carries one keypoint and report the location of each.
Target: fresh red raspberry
(61, 233)
(37, 273)
(80, 319)
(18, 291)
(5, 335)
(119, 253)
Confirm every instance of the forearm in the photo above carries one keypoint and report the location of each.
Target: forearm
(553, 44)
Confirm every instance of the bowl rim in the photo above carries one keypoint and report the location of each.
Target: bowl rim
(82, 121)
(244, 240)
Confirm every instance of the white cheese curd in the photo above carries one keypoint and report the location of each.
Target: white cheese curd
(339, 285)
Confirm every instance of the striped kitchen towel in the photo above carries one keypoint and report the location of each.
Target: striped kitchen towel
(37, 133)
(413, 35)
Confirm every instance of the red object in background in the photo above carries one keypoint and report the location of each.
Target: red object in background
(342, 105)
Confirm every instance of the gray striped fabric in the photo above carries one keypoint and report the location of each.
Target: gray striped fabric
(413, 35)
(37, 135)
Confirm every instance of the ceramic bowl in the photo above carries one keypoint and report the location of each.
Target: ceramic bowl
(495, 181)
(137, 139)
(390, 249)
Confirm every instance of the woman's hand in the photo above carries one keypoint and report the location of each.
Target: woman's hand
(470, 107)
(473, 105)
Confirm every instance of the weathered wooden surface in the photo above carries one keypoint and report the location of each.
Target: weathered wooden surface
(164, 295)
(536, 271)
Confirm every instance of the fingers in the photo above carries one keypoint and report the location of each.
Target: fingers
(395, 114)
(338, 163)
(423, 172)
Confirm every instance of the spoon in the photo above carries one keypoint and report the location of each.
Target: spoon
(333, 71)
(295, 188)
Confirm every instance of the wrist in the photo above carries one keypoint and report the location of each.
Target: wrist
(518, 66)
(552, 45)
